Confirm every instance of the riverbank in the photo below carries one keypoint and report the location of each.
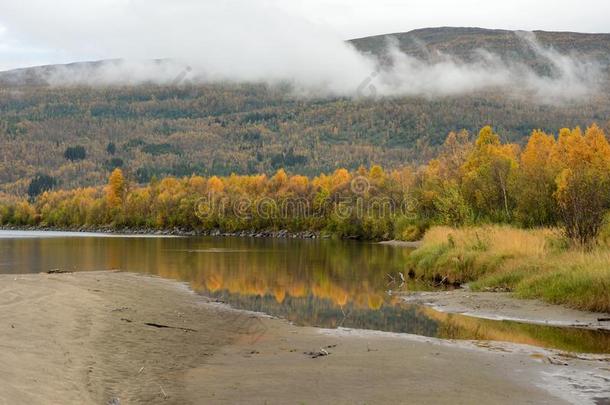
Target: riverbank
(502, 306)
(279, 234)
(534, 263)
(402, 243)
(103, 336)
(170, 232)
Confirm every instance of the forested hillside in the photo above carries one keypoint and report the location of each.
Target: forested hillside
(464, 43)
(70, 136)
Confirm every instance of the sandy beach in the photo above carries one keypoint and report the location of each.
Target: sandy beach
(121, 338)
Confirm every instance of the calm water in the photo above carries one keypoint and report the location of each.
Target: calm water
(310, 282)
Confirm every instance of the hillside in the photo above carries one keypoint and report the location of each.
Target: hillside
(464, 43)
(154, 130)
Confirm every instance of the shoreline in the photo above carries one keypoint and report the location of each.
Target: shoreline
(94, 337)
(280, 234)
(272, 234)
(503, 307)
(403, 243)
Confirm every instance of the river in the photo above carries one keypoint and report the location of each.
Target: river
(322, 282)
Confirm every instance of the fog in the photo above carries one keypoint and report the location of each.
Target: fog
(256, 41)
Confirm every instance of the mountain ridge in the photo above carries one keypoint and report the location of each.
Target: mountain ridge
(460, 42)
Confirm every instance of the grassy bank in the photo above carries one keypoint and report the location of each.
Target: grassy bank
(530, 263)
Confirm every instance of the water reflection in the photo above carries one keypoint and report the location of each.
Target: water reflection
(310, 282)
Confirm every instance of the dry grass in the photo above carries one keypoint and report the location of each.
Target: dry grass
(532, 263)
(499, 239)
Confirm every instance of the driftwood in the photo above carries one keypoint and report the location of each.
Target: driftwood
(58, 271)
(163, 392)
(160, 326)
(556, 362)
(320, 353)
(440, 283)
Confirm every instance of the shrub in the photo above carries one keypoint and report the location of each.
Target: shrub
(75, 153)
(40, 184)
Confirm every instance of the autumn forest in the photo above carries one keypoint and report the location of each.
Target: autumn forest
(554, 180)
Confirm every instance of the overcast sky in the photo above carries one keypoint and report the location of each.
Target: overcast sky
(34, 32)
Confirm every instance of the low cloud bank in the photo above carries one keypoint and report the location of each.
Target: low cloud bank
(255, 41)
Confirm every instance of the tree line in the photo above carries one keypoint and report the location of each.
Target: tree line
(554, 180)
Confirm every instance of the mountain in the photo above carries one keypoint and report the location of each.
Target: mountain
(36, 76)
(463, 43)
(219, 128)
(428, 44)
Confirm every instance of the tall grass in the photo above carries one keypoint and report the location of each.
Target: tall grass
(531, 263)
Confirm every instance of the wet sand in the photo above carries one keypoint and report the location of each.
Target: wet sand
(107, 337)
(501, 306)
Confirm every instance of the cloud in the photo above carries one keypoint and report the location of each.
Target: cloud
(255, 40)
(568, 76)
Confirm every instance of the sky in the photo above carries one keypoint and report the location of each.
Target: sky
(35, 32)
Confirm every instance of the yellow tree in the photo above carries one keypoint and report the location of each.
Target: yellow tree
(279, 180)
(453, 155)
(215, 185)
(583, 184)
(116, 189)
(486, 175)
(339, 179)
(428, 189)
(439, 198)
(535, 182)
(443, 175)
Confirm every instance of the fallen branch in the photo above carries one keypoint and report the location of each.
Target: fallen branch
(58, 271)
(319, 353)
(440, 283)
(160, 326)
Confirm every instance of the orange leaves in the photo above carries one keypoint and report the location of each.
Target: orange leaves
(565, 180)
(599, 147)
(280, 178)
(376, 173)
(197, 183)
(299, 184)
(487, 137)
(455, 150)
(486, 175)
(340, 178)
(24, 213)
(577, 151)
(215, 185)
(534, 183)
(582, 166)
(116, 189)
(537, 153)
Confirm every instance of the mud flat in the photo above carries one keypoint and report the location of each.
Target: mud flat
(109, 337)
(501, 306)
